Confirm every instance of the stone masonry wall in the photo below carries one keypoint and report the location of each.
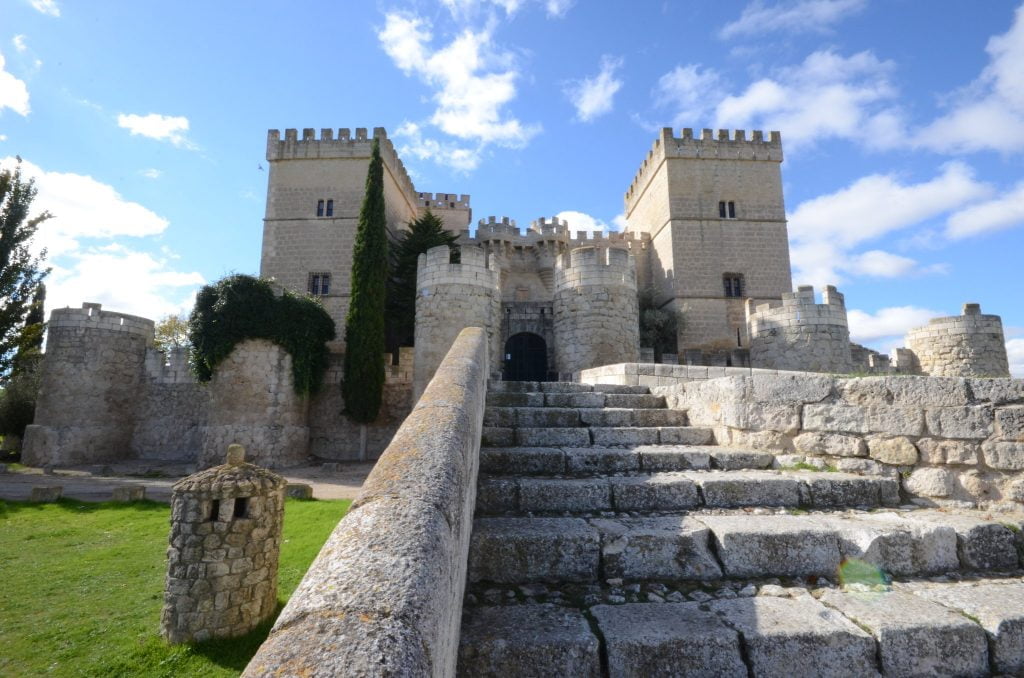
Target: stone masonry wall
(89, 394)
(969, 345)
(797, 334)
(595, 309)
(253, 403)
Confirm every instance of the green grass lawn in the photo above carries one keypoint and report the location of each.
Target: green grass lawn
(81, 587)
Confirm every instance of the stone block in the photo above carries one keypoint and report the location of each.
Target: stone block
(605, 416)
(832, 444)
(538, 417)
(624, 436)
(928, 392)
(47, 494)
(492, 436)
(552, 437)
(501, 417)
(774, 441)
(522, 460)
(779, 546)
(997, 391)
(1010, 423)
(735, 460)
(828, 490)
(981, 544)
(634, 401)
(673, 458)
(797, 638)
(974, 422)
(663, 639)
(898, 451)
(737, 489)
(587, 460)
(515, 399)
(656, 417)
(684, 435)
(1003, 455)
(497, 495)
(931, 482)
(899, 544)
(576, 495)
(657, 492)
(298, 491)
(891, 419)
(790, 388)
(516, 550)
(576, 400)
(128, 493)
(916, 636)
(534, 640)
(565, 387)
(938, 451)
(761, 416)
(656, 548)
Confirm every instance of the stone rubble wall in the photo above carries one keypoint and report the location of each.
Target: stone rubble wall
(799, 335)
(968, 345)
(595, 306)
(384, 596)
(950, 440)
(170, 420)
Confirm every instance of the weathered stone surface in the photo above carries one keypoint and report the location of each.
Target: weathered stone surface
(774, 441)
(898, 451)
(531, 417)
(577, 400)
(513, 550)
(634, 401)
(764, 546)
(625, 436)
(999, 608)
(938, 451)
(843, 490)
(645, 640)
(928, 391)
(868, 467)
(659, 418)
(794, 638)
(657, 492)
(492, 436)
(836, 444)
(915, 636)
(981, 544)
(761, 416)
(522, 460)
(684, 435)
(498, 399)
(891, 419)
(751, 488)
(656, 548)
(997, 391)
(552, 437)
(585, 460)
(902, 546)
(796, 388)
(128, 493)
(497, 495)
(565, 387)
(673, 458)
(46, 494)
(733, 460)
(1003, 455)
(500, 417)
(576, 495)
(931, 482)
(973, 422)
(526, 640)
(1010, 423)
(606, 416)
(514, 387)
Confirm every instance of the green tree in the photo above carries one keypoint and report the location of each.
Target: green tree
(363, 384)
(659, 327)
(21, 271)
(171, 332)
(422, 234)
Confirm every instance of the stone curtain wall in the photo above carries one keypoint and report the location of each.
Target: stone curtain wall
(969, 345)
(595, 309)
(91, 380)
(449, 298)
(253, 403)
(799, 335)
(170, 420)
(384, 596)
(946, 438)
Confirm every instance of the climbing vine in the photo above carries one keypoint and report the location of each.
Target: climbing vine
(241, 307)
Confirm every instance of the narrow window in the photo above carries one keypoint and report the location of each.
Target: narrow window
(319, 208)
(732, 283)
(325, 283)
(732, 210)
(319, 284)
(721, 209)
(214, 510)
(330, 208)
(241, 507)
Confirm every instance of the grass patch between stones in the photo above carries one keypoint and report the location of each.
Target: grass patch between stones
(83, 587)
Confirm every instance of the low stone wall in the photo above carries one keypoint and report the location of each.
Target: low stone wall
(949, 439)
(384, 596)
(658, 375)
(169, 421)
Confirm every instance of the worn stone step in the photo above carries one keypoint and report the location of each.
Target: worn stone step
(620, 416)
(850, 546)
(563, 387)
(664, 435)
(503, 459)
(512, 417)
(674, 491)
(578, 436)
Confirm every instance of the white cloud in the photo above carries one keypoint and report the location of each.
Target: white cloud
(155, 126)
(558, 8)
(691, 91)
(794, 17)
(473, 81)
(13, 92)
(151, 173)
(46, 7)
(887, 324)
(1005, 211)
(461, 9)
(19, 43)
(826, 230)
(593, 97)
(581, 221)
(448, 154)
(1015, 352)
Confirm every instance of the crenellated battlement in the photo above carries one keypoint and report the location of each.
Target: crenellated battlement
(444, 200)
(92, 317)
(724, 146)
(970, 344)
(544, 233)
(593, 265)
(798, 333)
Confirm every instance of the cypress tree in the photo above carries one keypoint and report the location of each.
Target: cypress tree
(363, 383)
(424, 233)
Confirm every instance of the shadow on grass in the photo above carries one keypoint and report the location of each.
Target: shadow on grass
(74, 506)
(235, 653)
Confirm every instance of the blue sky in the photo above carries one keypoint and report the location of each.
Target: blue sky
(903, 125)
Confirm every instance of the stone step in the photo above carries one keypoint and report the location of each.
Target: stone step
(573, 461)
(709, 546)
(532, 417)
(576, 436)
(920, 629)
(562, 387)
(583, 399)
(676, 491)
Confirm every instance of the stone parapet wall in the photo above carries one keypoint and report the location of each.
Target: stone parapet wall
(798, 334)
(947, 439)
(384, 596)
(968, 345)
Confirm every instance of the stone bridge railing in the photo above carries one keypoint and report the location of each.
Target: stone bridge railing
(384, 596)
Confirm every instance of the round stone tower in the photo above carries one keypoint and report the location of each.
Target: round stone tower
(595, 307)
(798, 334)
(224, 546)
(449, 298)
(968, 345)
(92, 377)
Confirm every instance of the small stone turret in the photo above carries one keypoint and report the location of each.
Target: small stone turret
(449, 298)
(595, 307)
(798, 334)
(223, 554)
(968, 345)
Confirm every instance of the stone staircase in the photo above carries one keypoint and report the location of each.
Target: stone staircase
(612, 539)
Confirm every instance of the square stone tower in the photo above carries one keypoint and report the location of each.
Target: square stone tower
(714, 211)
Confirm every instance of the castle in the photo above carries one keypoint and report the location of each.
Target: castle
(705, 235)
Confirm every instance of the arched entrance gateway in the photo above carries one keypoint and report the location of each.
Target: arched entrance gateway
(526, 358)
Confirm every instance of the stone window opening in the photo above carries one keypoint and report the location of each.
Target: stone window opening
(330, 208)
(319, 284)
(727, 210)
(733, 285)
(319, 208)
(241, 507)
(215, 510)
